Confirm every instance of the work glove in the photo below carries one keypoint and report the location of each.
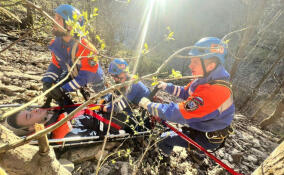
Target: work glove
(46, 85)
(57, 93)
(162, 85)
(144, 102)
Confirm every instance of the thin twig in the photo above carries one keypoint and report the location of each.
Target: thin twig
(105, 140)
(10, 14)
(178, 78)
(18, 40)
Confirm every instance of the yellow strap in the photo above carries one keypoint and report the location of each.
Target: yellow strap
(95, 108)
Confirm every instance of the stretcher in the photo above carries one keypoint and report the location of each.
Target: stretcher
(82, 141)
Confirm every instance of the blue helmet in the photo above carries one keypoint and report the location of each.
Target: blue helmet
(66, 12)
(117, 66)
(213, 46)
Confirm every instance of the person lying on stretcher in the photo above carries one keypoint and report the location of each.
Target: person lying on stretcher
(84, 123)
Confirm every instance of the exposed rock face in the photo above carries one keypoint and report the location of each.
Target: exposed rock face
(274, 164)
(26, 159)
(79, 155)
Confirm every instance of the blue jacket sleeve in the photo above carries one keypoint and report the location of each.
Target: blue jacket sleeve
(118, 106)
(83, 78)
(171, 112)
(107, 97)
(78, 82)
(52, 74)
(178, 91)
(136, 92)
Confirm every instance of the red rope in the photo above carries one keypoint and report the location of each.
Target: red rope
(189, 140)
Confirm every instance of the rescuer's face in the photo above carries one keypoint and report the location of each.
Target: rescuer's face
(121, 78)
(56, 30)
(196, 66)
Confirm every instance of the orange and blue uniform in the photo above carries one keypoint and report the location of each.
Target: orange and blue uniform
(208, 107)
(64, 55)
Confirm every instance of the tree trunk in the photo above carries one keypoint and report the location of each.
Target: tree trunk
(274, 164)
(30, 21)
(254, 14)
(276, 115)
(26, 159)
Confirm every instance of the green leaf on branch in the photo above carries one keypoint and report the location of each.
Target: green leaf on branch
(128, 151)
(85, 15)
(136, 78)
(155, 79)
(146, 49)
(170, 35)
(127, 119)
(130, 161)
(75, 16)
(175, 74)
(95, 13)
(101, 41)
(227, 41)
(103, 45)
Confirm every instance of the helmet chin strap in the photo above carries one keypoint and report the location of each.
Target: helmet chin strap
(205, 73)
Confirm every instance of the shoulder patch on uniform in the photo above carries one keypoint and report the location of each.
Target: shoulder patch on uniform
(193, 104)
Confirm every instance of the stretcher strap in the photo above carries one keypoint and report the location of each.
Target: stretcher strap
(106, 121)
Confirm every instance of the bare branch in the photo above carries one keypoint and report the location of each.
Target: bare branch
(9, 14)
(105, 140)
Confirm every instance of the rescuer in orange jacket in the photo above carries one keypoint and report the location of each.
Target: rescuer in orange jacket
(208, 109)
(65, 49)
